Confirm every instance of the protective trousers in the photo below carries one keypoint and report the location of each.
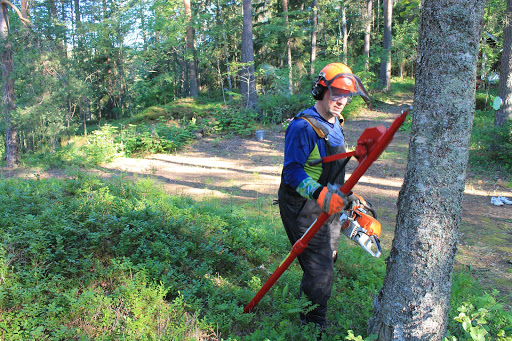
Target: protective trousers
(317, 260)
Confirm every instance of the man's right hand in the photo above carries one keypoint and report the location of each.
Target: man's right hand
(331, 200)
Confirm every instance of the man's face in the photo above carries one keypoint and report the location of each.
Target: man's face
(332, 106)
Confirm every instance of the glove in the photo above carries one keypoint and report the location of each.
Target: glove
(331, 200)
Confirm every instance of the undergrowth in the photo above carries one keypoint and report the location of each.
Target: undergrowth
(90, 258)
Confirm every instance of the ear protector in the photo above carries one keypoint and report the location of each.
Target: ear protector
(318, 89)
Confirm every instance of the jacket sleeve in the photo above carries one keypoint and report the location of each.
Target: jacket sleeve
(299, 142)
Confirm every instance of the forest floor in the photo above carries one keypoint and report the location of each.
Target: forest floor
(240, 170)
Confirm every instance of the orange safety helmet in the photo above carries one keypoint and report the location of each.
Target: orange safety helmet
(340, 81)
(337, 75)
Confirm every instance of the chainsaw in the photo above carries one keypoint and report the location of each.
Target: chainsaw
(362, 229)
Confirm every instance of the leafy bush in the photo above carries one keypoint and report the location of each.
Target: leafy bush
(278, 107)
(490, 144)
(153, 138)
(234, 121)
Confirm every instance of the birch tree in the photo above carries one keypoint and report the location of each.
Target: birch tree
(367, 33)
(313, 38)
(288, 47)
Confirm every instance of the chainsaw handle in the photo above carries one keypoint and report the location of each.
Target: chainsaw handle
(374, 214)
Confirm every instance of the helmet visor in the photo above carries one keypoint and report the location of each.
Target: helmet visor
(340, 94)
(349, 83)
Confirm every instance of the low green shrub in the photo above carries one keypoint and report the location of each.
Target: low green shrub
(87, 257)
(475, 314)
(489, 144)
(234, 121)
(279, 107)
(145, 139)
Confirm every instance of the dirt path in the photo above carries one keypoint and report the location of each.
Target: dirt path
(245, 169)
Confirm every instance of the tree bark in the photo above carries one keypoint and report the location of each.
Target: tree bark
(313, 38)
(11, 133)
(385, 64)
(78, 24)
(505, 84)
(192, 70)
(345, 32)
(247, 79)
(414, 301)
(288, 47)
(367, 34)
(225, 51)
(24, 8)
(143, 26)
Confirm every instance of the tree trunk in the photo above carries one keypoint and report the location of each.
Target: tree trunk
(345, 32)
(247, 79)
(11, 134)
(414, 301)
(505, 85)
(225, 51)
(313, 38)
(64, 38)
(24, 8)
(367, 34)
(143, 26)
(288, 47)
(385, 64)
(192, 71)
(78, 24)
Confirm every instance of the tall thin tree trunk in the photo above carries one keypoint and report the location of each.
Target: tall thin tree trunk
(24, 8)
(11, 133)
(414, 301)
(247, 78)
(367, 34)
(143, 28)
(225, 51)
(288, 47)
(313, 38)
(345, 32)
(78, 24)
(64, 40)
(505, 85)
(192, 71)
(385, 64)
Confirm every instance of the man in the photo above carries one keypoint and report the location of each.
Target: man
(303, 195)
